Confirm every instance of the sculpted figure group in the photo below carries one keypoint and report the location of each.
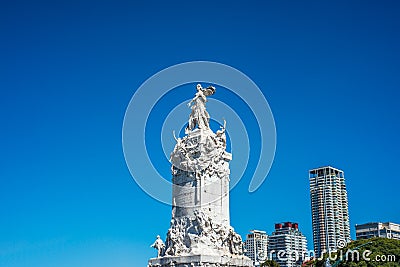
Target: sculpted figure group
(198, 154)
(186, 233)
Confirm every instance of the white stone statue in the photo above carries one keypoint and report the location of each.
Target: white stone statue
(236, 244)
(199, 116)
(220, 134)
(159, 245)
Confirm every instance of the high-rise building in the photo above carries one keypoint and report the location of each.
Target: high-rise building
(287, 245)
(378, 229)
(256, 246)
(329, 207)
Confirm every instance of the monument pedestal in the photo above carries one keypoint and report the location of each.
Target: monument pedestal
(201, 260)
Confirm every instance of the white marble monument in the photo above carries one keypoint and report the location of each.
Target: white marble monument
(200, 233)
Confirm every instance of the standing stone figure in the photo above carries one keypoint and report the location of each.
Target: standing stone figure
(237, 244)
(199, 116)
(159, 245)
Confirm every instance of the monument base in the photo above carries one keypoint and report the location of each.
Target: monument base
(201, 260)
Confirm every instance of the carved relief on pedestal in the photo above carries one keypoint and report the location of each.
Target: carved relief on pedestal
(189, 235)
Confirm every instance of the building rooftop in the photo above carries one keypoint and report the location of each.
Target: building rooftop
(325, 167)
(258, 231)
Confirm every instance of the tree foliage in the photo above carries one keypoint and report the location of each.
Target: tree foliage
(269, 263)
(379, 248)
(309, 263)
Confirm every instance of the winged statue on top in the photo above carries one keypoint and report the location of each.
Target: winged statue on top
(199, 116)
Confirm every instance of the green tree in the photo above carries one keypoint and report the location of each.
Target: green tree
(375, 251)
(309, 263)
(269, 263)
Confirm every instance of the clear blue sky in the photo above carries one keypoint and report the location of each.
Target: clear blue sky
(329, 69)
